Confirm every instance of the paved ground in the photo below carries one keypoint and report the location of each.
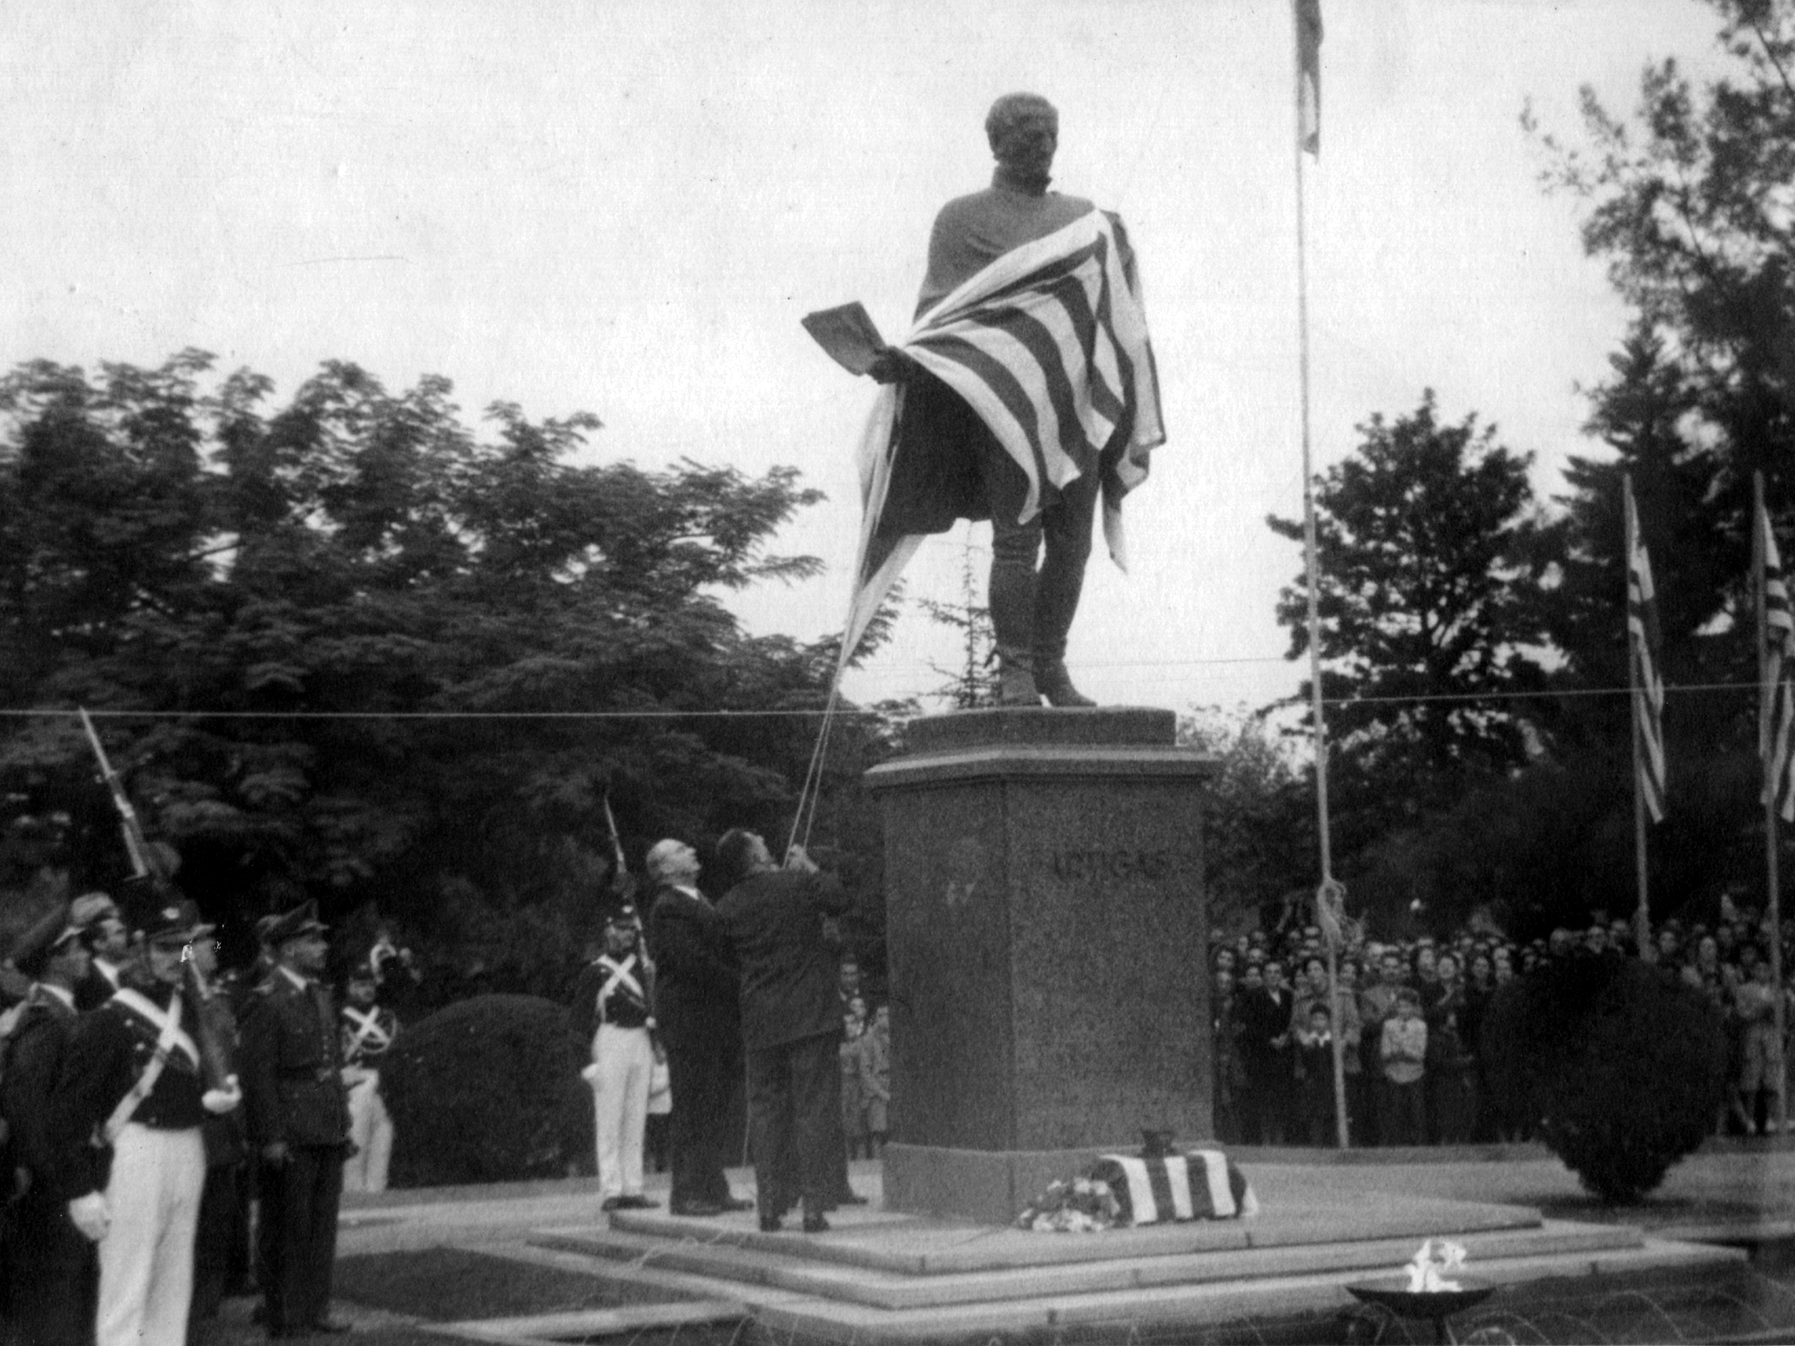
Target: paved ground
(1737, 1192)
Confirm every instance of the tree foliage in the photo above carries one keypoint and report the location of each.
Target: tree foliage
(352, 647)
(1258, 818)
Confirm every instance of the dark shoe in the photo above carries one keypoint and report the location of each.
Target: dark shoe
(849, 1197)
(770, 1224)
(736, 1203)
(614, 1203)
(640, 1202)
(1055, 684)
(815, 1224)
(695, 1208)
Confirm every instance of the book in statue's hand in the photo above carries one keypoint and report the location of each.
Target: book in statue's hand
(847, 334)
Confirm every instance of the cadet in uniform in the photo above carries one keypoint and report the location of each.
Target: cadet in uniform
(611, 1000)
(132, 1078)
(368, 1030)
(298, 1119)
(51, 1266)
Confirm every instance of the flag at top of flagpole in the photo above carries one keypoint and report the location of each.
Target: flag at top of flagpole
(1643, 644)
(1308, 75)
(1776, 706)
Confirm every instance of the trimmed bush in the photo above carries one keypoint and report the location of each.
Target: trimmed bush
(1619, 1067)
(487, 1090)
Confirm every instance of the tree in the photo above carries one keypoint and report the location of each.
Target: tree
(1259, 820)
(974, 683)
(1690, 207)
(354, 648)
(1431, 572)
(1688, 203)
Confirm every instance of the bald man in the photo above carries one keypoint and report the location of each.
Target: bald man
(697, 1005)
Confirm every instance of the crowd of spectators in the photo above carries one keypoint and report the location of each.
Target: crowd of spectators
(1410, 1014)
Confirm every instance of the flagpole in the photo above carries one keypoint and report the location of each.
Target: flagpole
(1642, 921)
(1312, 574)
(1766, 695)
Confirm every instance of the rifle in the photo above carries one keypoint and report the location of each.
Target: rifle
(145, 862)
(210, 1032)
(619, 867)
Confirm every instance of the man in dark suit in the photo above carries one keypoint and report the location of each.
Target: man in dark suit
(697, 1005)
(53, 1275)
(791, 1019)
(298, 1115)
(1265, 1055)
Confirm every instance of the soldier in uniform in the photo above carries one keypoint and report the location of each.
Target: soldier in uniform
(611, 1003)
(51, 1266)
(221, 1248)
(130, 1100)
(298, 1117)
(108, 942)
(368, 1031)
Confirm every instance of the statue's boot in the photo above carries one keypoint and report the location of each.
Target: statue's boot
(1011, 600)
(1016, 678)
(1054, 683)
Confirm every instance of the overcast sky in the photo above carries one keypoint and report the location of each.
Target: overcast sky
(626, 207)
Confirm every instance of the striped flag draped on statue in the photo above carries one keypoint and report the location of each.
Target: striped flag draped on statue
(1647, 682)
(1048, 344)
(1776, 707)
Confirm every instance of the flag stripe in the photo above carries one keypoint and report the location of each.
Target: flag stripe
(1776, 708)
(1644, 643)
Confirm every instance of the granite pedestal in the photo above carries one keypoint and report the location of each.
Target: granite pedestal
(1047, 938)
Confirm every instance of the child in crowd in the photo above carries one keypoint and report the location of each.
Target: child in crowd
(1315, 1058)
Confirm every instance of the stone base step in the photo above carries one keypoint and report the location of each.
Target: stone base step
(1570, 1275)
(591, 1324)
(786, 1267)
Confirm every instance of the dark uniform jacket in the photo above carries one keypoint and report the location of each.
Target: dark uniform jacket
(39, 1041)
(292, 1068)
(93, 990)
(111, 1048)
(697, 993)
(623, 1007)
(790, 971)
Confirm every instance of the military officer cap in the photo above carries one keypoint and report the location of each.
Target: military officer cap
(295, 924)
(197, 923)
(168, 924)
(90, 908)
(50, 932)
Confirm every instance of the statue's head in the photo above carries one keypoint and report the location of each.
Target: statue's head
(1024, 131)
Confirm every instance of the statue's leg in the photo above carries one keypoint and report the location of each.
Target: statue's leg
(1011, 594)
(1067, 528)
(1011, 597)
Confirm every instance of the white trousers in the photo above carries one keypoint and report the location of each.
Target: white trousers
(371, 1131)
(622, 1059)
(146, 1258)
